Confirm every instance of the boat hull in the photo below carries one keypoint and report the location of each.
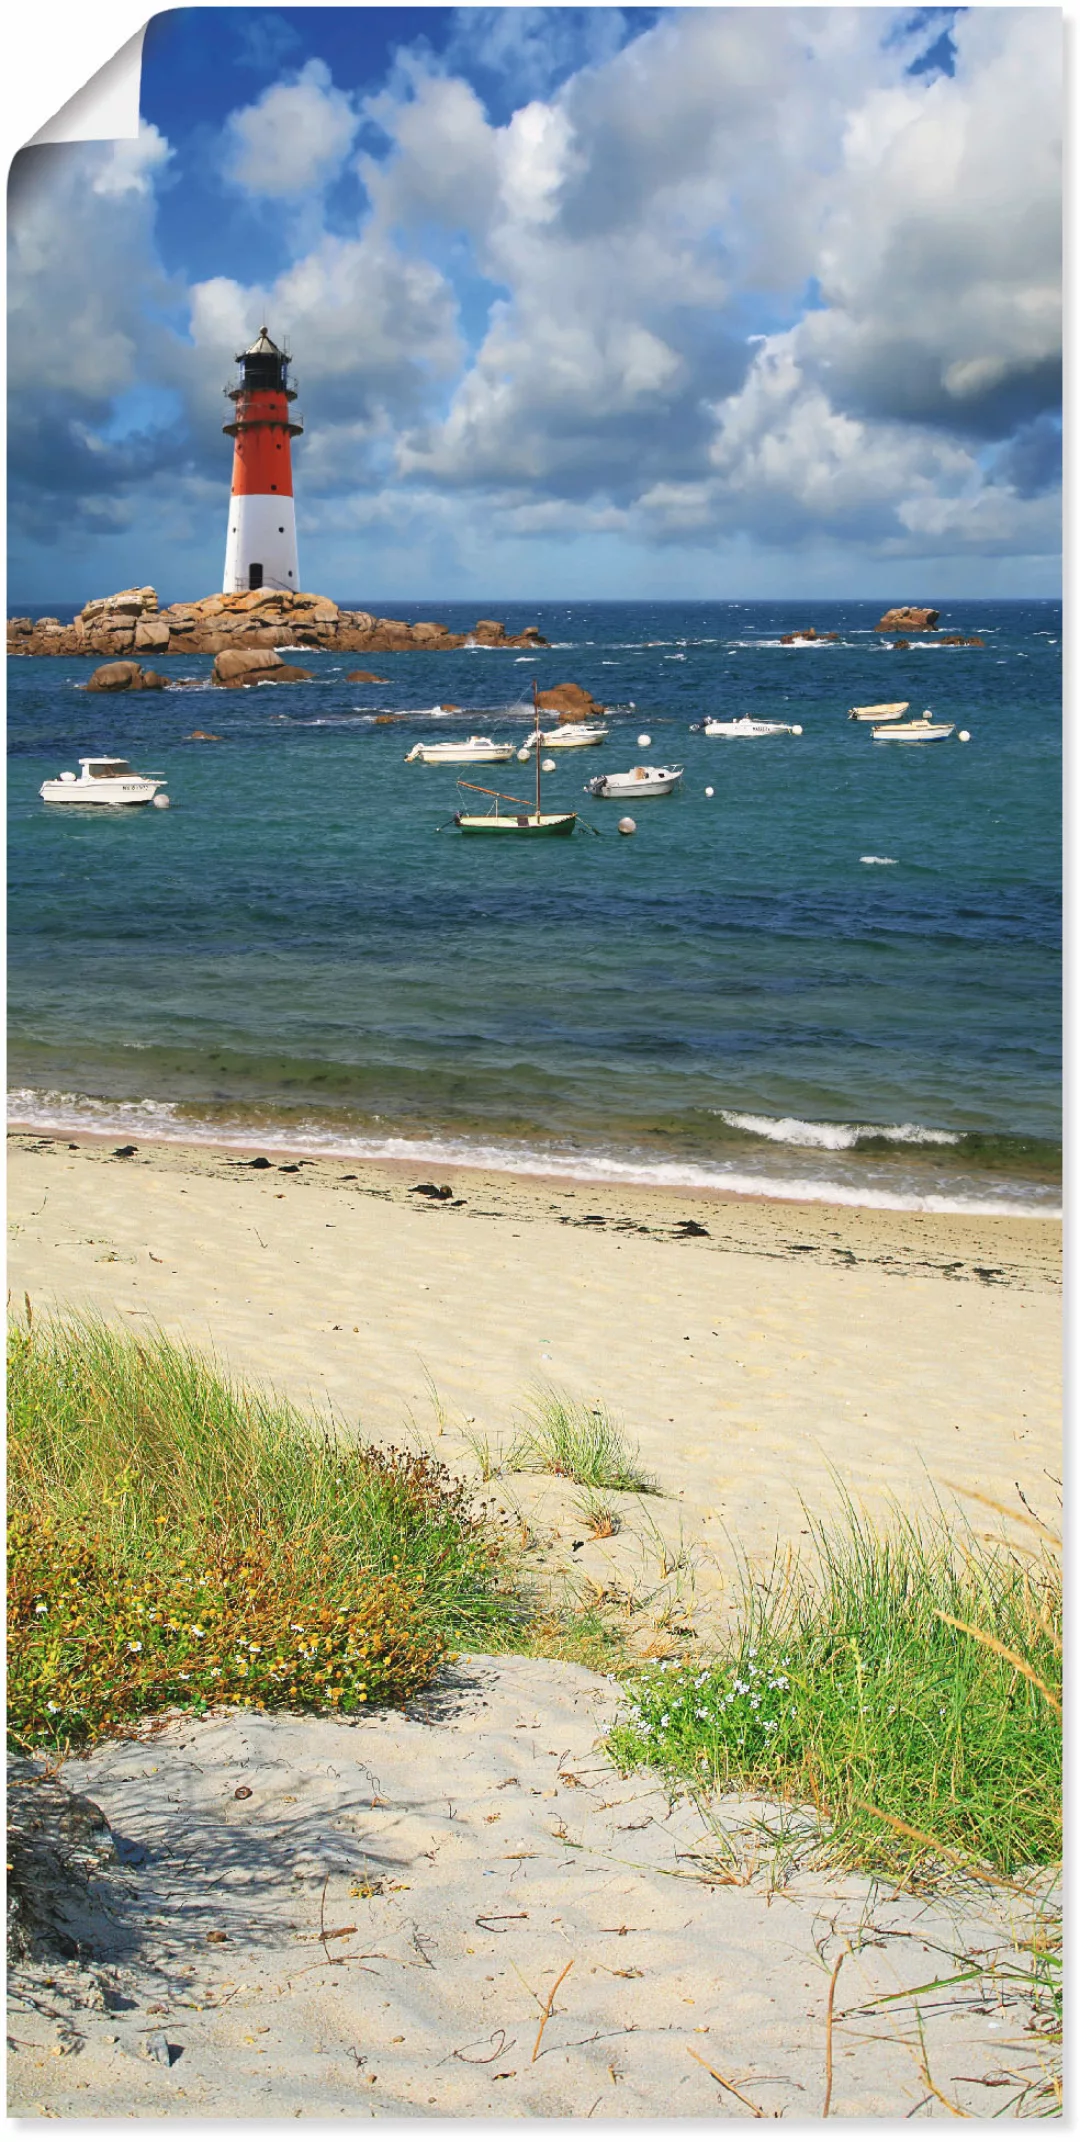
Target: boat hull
(734, 732)
(115, 795)
(915, 733)
(446, 755)
(570, 740)
(546, 824)
(616, 789)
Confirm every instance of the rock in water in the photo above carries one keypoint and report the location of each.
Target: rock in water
(908, 618)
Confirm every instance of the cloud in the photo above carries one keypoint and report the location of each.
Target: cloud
(294, 139)
(752, 276)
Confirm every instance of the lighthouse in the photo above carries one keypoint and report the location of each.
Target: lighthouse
(260, 549)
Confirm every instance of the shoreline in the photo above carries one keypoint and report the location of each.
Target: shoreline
(590, 1170)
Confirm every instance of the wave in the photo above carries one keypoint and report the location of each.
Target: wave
(883, 859)
(834, 1137)
(163, 1122)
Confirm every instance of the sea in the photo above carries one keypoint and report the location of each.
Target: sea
(823, 969)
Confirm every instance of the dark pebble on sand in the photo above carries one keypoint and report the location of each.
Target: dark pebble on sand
(124, 1152)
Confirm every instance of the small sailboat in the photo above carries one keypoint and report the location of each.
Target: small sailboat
(112, 781)
(746, 726)
(521, 817)
(923, 731)
(889, 710)
(474, 751)
(640, 781)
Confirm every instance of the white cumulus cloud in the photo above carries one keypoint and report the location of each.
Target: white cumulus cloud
(294, 139)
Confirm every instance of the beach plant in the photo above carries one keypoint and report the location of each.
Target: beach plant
(904, 1682)
(577, 1442)
(176, 1537)
(598, 1515)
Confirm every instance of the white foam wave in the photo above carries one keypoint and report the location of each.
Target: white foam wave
(883, 859)
(833, 1137)
(162, 1122)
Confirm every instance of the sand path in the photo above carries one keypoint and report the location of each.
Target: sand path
(399, 1895)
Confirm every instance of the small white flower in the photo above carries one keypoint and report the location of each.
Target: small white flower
(52, 1706)
(41, 1607)
(134, 1647)
(298, 1626)
(701, 1712)
(666, 1719)
(254, 1647)
(184, 1677)
(755, 1703)
(195, 1630)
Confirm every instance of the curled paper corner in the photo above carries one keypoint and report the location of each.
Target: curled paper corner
(106, 108)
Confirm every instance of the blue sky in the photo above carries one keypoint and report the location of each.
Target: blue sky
(583, 302)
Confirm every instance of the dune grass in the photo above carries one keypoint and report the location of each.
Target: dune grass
(906, 1683)
(178, 1538)
(576, 1442)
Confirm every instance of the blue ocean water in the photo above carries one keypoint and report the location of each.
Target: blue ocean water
(836, 976)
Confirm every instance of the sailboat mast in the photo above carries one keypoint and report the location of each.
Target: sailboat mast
(536, 718)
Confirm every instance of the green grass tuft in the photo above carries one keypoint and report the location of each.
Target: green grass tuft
(577, 1442)
(844, 1687)
(178, 1538)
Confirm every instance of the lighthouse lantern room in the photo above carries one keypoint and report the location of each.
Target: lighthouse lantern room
(260, 550)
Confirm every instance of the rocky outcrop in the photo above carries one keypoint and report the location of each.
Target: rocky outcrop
(238, 666)
(365, 676)
(571, 702)
(132, 622)
(794, 639)
(957, 639)
(125, 677)
(906, 618)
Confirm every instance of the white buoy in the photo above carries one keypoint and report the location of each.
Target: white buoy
(644, 742)
(161, 803)
(964, 736)
(547, 765)
(524, 757)
(710, 792)
(796, 728)
(627, 825)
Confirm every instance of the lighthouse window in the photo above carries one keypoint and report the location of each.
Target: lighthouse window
(273, 487)
(255, 576)
(281, 531)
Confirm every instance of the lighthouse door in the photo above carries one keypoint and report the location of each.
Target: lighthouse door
(255, 576)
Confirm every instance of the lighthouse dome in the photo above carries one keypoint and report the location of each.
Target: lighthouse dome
(264, 366)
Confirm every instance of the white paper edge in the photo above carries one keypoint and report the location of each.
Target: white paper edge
(106, 108)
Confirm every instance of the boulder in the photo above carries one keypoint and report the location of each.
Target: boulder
(237, 666)
(203, 736)
(571, 702)
(809, 632)
(365, 676)
(152, 633)
(153, 681)
(899, 646)
(123, 677)
(907, 618)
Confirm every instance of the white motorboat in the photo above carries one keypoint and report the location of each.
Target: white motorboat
(573, 735)
(889, 710)
(474, 751)
(640, 781)
(924, 731)
(746, 726)
(103, 781)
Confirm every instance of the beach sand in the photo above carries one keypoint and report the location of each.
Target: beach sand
(766, 1358)
(786, 1355)
(374, 1926)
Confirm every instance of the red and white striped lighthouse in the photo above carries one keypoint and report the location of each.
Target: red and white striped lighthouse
(260, 551)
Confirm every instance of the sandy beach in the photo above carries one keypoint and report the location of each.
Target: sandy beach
(764, 1356)
(324, 1917)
